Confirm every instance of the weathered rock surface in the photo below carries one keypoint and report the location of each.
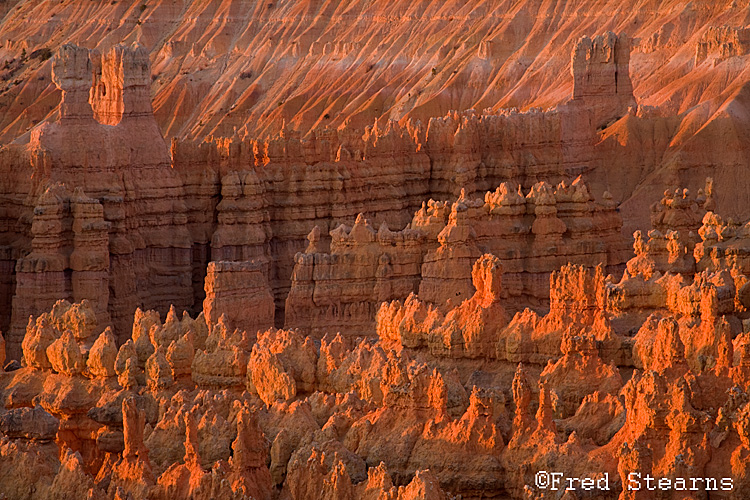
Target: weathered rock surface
(124, 242)
(483, 401)
(240, 292)
(232, 197)
(28, 423)
(215, 76)
(531, 236)
(502, 330)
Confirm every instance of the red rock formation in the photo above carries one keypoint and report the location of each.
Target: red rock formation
(243, 232)
(233, 290)
(330, 410)
(255, 180)
(205, 82)
(342, 289)
(719, 43)
(446, 272)
(500, 340)
(147, 451)
(529, 246)
(250, 473)
(601, 76)
(54, 270)
(88, 245)
(579, 373)
(468, 330)
(282, 364)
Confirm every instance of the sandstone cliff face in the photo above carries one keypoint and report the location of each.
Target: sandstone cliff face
(190, 408)
(469, 330)
(223, 70)
(601, 76)
(239, 293)
(719, 43)
(530, 235)
(119, 239)
(342, 289)
(273, 192)
(69, 259)
(238, 199)
(208, 84)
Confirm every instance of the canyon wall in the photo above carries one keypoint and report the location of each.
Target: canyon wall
(239, 199)
(220, 67)
(120, 238)
(457, 184)
(533, 235)
(236, 200)
(222, 70)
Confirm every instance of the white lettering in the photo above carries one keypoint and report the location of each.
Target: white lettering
(650, 479)
(603, 483)
(556, 478)
(680, 484)
(636, 481)
(693, 480)
(571, 482)
(633, 483)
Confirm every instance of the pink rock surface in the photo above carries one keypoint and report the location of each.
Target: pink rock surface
(434, 200)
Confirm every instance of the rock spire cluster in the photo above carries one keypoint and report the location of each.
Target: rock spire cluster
(410, 282)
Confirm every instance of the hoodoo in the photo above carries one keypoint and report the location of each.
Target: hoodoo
(386, 250)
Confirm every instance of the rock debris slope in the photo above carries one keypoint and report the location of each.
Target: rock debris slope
(222, 68)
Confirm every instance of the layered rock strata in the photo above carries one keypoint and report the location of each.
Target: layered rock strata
(341, 289)
(236, 198)
(530, 235)
(239, 292)
(124, 243)
(193, 408)
(460, 393)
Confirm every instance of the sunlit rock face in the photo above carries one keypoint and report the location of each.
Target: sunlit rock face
(111, 216)
(373, 250)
